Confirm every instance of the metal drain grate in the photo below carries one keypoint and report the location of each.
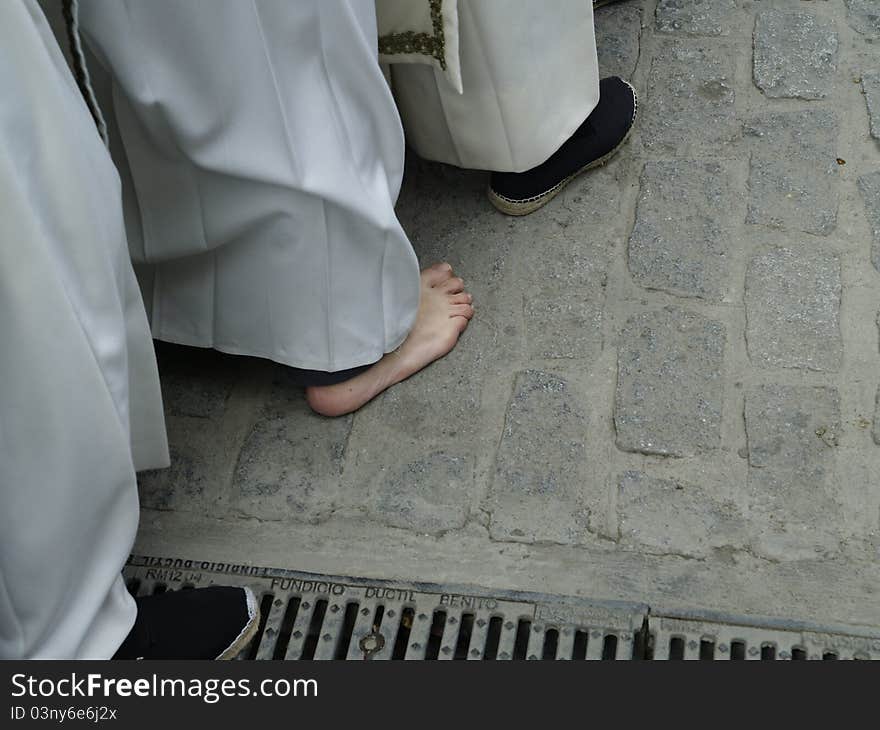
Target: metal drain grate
(306, 616)
(708, 636)
(320, 617)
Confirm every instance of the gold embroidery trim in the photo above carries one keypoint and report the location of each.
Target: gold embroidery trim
(425, 44)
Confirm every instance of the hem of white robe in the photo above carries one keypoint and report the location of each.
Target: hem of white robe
(366, 357)
(111, 626)
(536, 158)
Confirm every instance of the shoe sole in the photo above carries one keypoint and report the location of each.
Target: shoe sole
(248, 632)
(508, 206)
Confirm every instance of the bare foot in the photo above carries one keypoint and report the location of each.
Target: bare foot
(444, 311)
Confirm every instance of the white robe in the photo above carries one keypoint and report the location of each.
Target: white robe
(80, 406)
(266, 154)
(529, 78)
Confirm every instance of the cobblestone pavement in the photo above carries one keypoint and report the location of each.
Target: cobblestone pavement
(670, 392)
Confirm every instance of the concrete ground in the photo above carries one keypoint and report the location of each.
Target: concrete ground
(669, 393)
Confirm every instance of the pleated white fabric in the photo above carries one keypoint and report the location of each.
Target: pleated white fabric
(266, 155)
(530, 78)
(80, 406)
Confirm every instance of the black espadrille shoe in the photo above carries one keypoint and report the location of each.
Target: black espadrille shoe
(217, 622)
(592, 145)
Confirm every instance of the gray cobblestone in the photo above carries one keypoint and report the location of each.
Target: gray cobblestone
(795, 54)
(196, 388)
(793, 433)
(869, 185)
(669, 388)
(413, 450)
(542, 465)
(291, 462)
(680, 242)
(871, 89)
(181, 485)
(793, 310)
(618, 30)
(864, 17)
(428, 495)
(675, 517)
(695, 17)
(793, 177)
(563, 308)
(690, 106)
(196, 396)
(196, 383)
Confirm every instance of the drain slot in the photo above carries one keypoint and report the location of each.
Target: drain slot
(286, 629)
(265, 608)
(521, 643)
(737, 650)
(314, 631)
(609, 647)
(404, 630)
(464, 636)
(493, 638)
(579, 650)
(551, 644)
(435, 637)
(707, 649)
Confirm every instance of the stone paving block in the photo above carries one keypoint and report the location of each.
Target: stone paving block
(196, 388)
(196, 382)
(793, 310)
(669, 386)
(429, 495)
(444, 401)
(291, 462)
(543, 466)
(793, 175)
(675, 517)
(618, 31)
(871, 89)
(199, 396)
(690, 106)
(562, 254)
(183, 485)
(795, 54)
(563, 304)
(413, 449)
(792, 434)
(864, 17)
(681, 239)
(869, 185)
(694, 17)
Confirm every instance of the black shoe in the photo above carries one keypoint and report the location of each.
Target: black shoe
(593, 144)
(602, 3)
(203, 623)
